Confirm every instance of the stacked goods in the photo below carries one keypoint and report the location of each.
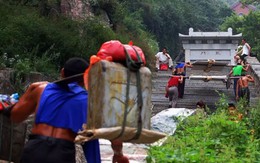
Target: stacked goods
(119, 101)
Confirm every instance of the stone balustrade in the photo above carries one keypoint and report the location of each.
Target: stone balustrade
(255, 72)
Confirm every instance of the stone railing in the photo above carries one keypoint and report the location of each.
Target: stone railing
(255, 72)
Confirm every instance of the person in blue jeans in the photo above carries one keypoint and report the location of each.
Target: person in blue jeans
(60, 111)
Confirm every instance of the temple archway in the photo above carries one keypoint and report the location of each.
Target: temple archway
(220, 46)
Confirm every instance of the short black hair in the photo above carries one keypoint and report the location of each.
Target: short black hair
(231, 105)
(75, 66)
(201, 104)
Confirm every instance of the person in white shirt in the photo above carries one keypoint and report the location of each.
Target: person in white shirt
(244, 52)
(163, 58)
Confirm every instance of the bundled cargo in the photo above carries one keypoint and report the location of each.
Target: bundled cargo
(119, 102)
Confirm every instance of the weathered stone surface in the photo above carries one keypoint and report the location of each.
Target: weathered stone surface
(76, 9)
(5, 85)
(84, 9)
(196, 90)
(11, 139)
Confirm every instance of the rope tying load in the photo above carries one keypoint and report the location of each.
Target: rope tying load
(119, 100)
(210, 64)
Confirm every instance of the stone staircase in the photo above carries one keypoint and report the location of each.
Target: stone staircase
(195, 90)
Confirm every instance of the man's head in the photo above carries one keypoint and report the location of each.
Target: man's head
(243, 41)
(200, 104)
(164, 50)
(74, 66)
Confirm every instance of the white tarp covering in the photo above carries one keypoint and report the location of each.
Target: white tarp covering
(166, 121)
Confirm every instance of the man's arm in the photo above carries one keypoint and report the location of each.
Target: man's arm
(250, 78)
(188, 64)
(230, 73)
(249, 47)
(181, 79)
(27, 103)
(168, 56)
(247, 67)
(157, 55)
(174, 71)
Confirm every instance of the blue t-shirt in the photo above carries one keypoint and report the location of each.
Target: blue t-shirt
(180, 65)
(64, 108)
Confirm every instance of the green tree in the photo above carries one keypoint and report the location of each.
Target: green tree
(167, 18)
(256, 2)
(247, 25)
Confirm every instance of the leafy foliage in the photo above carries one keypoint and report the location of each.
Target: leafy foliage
(167, 18)
(29, 25)
(250, 2)
(25, 31)
(255, 120)
(209, 138)
(248, 26)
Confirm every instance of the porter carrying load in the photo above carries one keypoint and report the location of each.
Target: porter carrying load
(119, 96)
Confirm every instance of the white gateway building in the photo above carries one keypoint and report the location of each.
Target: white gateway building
(204, 46)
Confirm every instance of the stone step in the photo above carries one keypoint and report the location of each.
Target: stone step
(195, 90)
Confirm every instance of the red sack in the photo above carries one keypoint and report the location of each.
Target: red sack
(164, 67)
(115, 49)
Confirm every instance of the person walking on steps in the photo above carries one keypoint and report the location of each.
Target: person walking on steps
(242, 87)
(60, 111)
(244, 52)
(172, 90)
(180, 70)
(236, 72)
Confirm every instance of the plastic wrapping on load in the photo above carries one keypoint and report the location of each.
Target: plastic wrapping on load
(7, 100)
(116, 50)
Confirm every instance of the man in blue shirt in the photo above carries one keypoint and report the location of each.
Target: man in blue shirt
(60, 111)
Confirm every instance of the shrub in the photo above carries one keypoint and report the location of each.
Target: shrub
(214, 138)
